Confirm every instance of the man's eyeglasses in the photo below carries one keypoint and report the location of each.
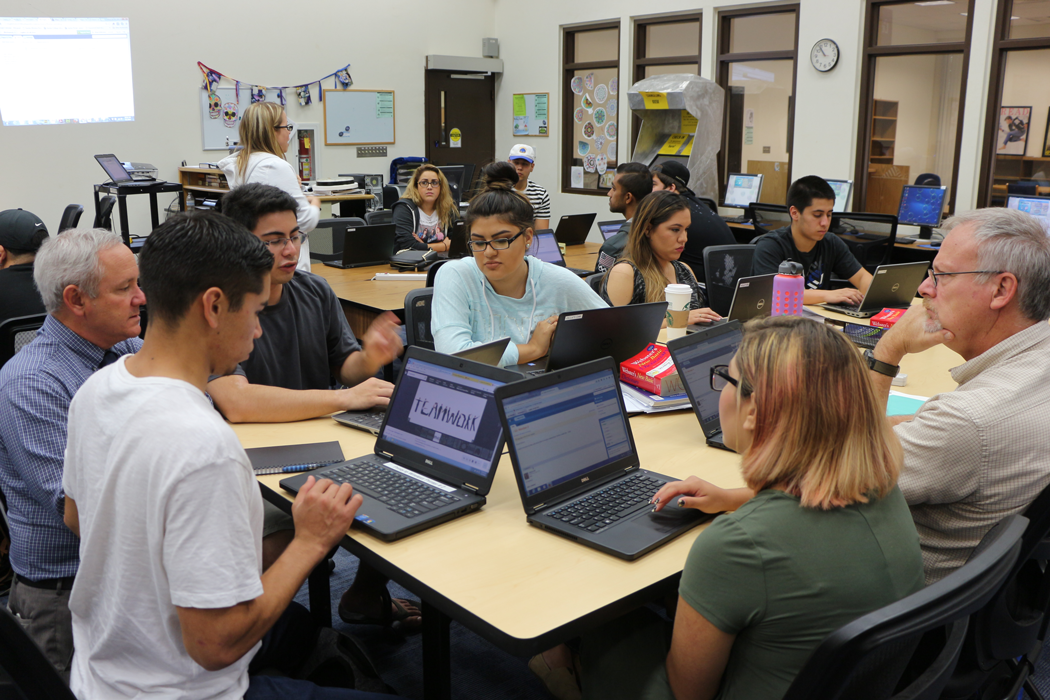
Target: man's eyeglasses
(427, 184)
(496, 243)
(289, 126)
(720, 378)
(277, 244)
(934, 275)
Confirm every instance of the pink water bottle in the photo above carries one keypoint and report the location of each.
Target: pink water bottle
(788, 287)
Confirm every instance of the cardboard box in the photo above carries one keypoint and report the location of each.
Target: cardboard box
(887, 317)
(653, 370)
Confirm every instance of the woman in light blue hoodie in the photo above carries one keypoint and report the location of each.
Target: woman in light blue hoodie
(500, 292)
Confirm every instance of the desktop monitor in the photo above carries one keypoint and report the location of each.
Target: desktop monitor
(921, 205)
(842, 191)
(454, 175)
(1039, 207)
(742, 189)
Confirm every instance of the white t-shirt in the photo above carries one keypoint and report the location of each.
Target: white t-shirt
(170, 515)
(430, 227)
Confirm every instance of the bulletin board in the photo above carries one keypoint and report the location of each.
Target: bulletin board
(530, 114)
(214, 130)
(358, 117)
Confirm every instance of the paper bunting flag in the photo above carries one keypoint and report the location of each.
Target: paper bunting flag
(280, 96)
(258, 94)
(343, 76)
(303, 93)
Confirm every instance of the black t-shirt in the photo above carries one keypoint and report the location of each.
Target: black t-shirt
(305, 338)
(829, 255)
(705, 229)
(18, 295)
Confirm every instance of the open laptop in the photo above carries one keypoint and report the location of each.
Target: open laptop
(577, 466)
(694, 355)
(892, 286)
(436, 454)
(457, 246)
(620, 332)
(118, 173)
(372, 420)
(751, 299)
(573, 228)
(610, 228)
(364, 245)
(545, 247)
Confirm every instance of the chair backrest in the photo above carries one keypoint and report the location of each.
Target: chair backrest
(29, 674)
(930, 179)
(104, 213)
(595, 282)
(768, 217)
(16, 333)
(711, 204)
(723, 266)
(417, 317)
(380, 216)
(70, 217)
(432, 272)
(1024, 187)
(328, 239)
(868, 659)
(390, 195)
(881, 229)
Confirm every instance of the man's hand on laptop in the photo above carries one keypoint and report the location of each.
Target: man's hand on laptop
(322, 513)
(846, 295)
(368, 394)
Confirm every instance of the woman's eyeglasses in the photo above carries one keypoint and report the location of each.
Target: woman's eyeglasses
(427, 184)
(496, 243)
(720, 378)
(289, 126)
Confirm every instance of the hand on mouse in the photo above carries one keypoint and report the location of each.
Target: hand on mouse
(701, 495)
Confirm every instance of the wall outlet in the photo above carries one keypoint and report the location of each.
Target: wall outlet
(371, 151)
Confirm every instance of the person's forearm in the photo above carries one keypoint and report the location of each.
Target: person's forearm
(357, 368)
(542, 224)
(259, 403)
(889, 352)
(814, 296)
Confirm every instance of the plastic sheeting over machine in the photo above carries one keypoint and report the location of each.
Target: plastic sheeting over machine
(681, 120)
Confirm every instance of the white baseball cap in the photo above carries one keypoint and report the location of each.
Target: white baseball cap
(522, 152)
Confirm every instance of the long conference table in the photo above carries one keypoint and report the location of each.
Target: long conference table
(521, 588)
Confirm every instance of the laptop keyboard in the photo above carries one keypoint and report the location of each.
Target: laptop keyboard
(401, 494)
(736, 219)
(600, 509)
(369, 420)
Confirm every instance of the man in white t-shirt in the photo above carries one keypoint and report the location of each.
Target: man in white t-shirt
(169, 601)
(523, 158)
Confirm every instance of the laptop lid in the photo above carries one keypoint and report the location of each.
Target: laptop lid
(573, 228)
(566, 431)
(487, 354)
(113, 167)
(545, 247)
(368, 245)
(694, 355)
(610, 228)
(751, 298)
(894, 285)
(442, 419)
(1039, 207)
(620, 332)
(457, 235)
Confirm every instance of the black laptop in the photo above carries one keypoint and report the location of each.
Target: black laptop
(610, 228)
(364, 245)
(545, 247)
(573, 228)
(620, 332)
(694, 355)
(892, 286)
(118, 173)
(436, 453)
(457, 236)
(577, 466)
(751, 299)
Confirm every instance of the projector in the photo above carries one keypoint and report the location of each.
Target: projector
(141, 171)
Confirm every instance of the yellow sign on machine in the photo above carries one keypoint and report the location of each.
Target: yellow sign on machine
(655, 100)
(677, 145)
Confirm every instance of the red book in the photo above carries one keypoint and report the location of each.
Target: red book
(653, 370)
(887, 317)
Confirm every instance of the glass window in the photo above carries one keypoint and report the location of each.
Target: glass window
(1022, 160)
(936, 22)
(599, 45)
(650, 71)
(760, 113)
(1030, 19)
(672, 39)
(766, 32)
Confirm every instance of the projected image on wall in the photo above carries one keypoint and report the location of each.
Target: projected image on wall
(61, 70)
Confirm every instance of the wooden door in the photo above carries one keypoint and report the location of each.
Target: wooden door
(460, 119)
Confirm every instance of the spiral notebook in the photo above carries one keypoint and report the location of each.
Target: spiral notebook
(287, 459)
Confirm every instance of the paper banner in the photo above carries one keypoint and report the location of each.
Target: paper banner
(303, 93)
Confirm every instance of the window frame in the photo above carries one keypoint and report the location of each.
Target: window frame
(639, 62)
(865, 109)
(570, 66)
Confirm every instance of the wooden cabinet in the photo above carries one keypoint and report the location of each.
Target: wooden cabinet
(1009, 169)
(883, 132)
(885, 180)
(202, 182)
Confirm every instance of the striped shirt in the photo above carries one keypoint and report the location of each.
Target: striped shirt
(540, 200)
(36, 386)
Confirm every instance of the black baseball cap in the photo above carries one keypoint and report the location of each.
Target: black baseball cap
(677, 172)
(21, 231)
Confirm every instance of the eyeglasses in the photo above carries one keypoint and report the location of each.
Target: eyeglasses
(496, 243)
(277, 244)
(289, 126)
(720, 378)
(934, 275)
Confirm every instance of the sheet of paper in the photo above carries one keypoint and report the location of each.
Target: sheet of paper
(904, 404)
(654, 100)
(519, 105)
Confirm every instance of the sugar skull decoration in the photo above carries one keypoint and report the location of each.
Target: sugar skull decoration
(229, 114)
(258, 94)
(214, 106)
(303, 93)
(343, 76)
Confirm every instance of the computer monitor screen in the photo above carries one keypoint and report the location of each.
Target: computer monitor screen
(921, 205)
(545, 247)
(1039, 207)
(454, 175)
(842, 191)
(742, 189)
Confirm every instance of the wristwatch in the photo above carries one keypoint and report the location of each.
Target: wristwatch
(880, 366)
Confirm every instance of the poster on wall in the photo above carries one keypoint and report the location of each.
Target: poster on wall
(1013, 130)
(530, 114)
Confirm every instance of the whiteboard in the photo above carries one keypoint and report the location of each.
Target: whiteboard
(214, 132)
(530, 114)
(358, 117)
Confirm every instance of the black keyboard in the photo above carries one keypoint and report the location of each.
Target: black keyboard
(371, 421)
(736, 219)
(399, 493)
(600, 509)
(863, 336)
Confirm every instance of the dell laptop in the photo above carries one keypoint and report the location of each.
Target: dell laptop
(364, 245)
(545, 247)
(610, 228)
(573, 228)
(118, 173)
(620, 332)
(437, 451)
(457, 241)
(892, 286)
(694, 355)
(577, 466)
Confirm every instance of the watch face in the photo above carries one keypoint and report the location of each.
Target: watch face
(825, 55)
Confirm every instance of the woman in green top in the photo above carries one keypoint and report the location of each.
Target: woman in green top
(820, 537)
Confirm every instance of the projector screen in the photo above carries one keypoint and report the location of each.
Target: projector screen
(65, 70)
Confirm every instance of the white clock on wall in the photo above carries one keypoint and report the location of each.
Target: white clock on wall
(825, 55)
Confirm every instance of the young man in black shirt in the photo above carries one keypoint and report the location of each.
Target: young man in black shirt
(630, 185)
(21, 235)
(810, 201)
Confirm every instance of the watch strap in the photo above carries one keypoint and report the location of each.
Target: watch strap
(880, 366)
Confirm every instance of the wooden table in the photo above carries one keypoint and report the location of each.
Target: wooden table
(521, 588)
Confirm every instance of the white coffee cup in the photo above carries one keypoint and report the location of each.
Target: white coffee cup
(678, 297)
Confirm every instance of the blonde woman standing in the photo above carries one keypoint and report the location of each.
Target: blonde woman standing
(265, 135)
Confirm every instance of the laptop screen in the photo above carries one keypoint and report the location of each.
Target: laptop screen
(113, 167)
(545, 247)
(1039, 207)
(609, 228)
(563, 431)
(447, 414)
(694, 362)
(741, 190)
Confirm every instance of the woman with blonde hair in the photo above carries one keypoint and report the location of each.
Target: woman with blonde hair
(658, 236)
(820, 536)
(424, 217)
(265, 134)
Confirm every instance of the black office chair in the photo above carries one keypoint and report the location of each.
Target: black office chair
(70, 217)
(929, 179)
(104, 214)
(27, 674)
(768, 217)
(432, 272)
(417, 317)
(908, 649)
(380, 216)
(723, 266)
(869, 236)
(595, 282)
(328, 239)
(711, 204)
(390, 195)
(16, 333)
(1027, 188)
